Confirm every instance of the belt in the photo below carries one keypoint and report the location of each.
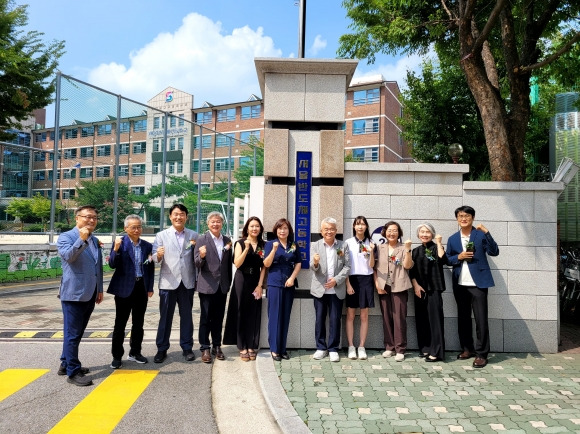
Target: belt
(137, 279)
(248, 270)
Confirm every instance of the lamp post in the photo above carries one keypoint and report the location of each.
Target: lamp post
(455, 151)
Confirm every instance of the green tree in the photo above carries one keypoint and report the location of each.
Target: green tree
(101, 194)
(26, 64)
(20, 208)
(439, 110)
(243, 173)
(40, 208)
(497, 44)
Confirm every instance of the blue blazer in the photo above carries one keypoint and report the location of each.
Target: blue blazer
(478, 267)
(123, 262)
(81, 274)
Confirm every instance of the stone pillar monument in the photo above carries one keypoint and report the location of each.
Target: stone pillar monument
(304, 102)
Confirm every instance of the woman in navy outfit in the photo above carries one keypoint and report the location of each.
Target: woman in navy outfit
(282, 258)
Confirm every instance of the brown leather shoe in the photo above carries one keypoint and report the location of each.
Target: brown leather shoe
(465, 355)
(217, 352)
(206, 356)
(479, 362)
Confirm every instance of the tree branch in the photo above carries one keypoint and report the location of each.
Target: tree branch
(491, 21)
(565, 48)
(449, 14)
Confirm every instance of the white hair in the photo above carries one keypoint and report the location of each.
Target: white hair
(428, 226)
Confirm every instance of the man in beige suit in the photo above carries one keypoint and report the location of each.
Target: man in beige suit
(173, 249)
(330, 263)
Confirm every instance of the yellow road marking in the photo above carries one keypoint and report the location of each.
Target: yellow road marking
(12, 380)
(105, 406)
(57, 335)
(99, 334)
(25, 334)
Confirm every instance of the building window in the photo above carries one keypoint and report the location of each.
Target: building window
(39, 175)
(140, 125)
(225, 140)
(205, 166)
(172, 121)
(368, 96)
(226, 115)
(180, 143)
(69, 173)
(221, 164)
(171, 167)
(139, 147)
(172, 144)
(365, 126)
(252, 111)
(245, 161)
(155, 168)
(104, 130)
(158, 122)
(181, 121)
(124, 127)
(203, 118)
(87, 152)
(70, 154)
(366, 154)
(123, 170)
(206, 142)
(103, 172)
(40, 137)
(180, 167)
(156, 144)
(68, 194)
(247, 137)
(87, 172)
(138, 169)
(138, 191)
(39, 156)
(87, 131)
(124, 150)
(103, 151)
(71, 133)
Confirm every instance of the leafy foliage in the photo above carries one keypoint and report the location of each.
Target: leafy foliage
(26, 64)
(101, 194)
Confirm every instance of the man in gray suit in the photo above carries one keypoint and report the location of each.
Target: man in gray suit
(173, 249)
(80, 288)
(330, 263)
(213, 259)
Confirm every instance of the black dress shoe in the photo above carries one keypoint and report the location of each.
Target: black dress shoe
(285, 356)
(189, 356)
(79, 379)
(62, 370)
(431, 359)
(160, 356)
(276, 357)
(465, 355)
(217, 352)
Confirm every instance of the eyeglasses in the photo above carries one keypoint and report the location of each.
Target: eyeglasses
(135, 228)
(88, 217)
(464, 216)
(328, 230)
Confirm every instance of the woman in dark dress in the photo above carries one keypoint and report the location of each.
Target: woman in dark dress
(428, 283)
(245, 306)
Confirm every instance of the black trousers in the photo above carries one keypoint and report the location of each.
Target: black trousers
(429, 322)
(212, 308)
(134, 305)
(470, 298)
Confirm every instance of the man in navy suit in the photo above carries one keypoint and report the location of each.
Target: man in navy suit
(173, 249)
(132, 285)
(80, 288)
(471, 280)
(213, 259)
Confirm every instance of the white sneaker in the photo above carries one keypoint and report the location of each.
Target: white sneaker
(362, 354)
(320, 354)
(388, 353)
(399, 357)
(352, 353)
(334, 357)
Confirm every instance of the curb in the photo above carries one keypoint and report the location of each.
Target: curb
(276, 398)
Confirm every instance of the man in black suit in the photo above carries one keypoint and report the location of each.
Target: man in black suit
(213, 259)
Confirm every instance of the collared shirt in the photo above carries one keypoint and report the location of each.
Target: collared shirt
(330, 264)
(180, 237)
(465, 278)
(138, 258)
(219, 244)
(359, 263)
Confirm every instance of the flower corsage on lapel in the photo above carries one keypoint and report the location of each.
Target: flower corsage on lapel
(429, 255)
(395, 260)
(227, 247)
(339, 252)
(362, 248)
(260, 252)
(149, 260)
(191, 244)
(292, 248)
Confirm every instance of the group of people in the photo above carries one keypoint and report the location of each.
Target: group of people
(354, 269)
(348, 270)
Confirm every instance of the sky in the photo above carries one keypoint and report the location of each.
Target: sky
(137, 48)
